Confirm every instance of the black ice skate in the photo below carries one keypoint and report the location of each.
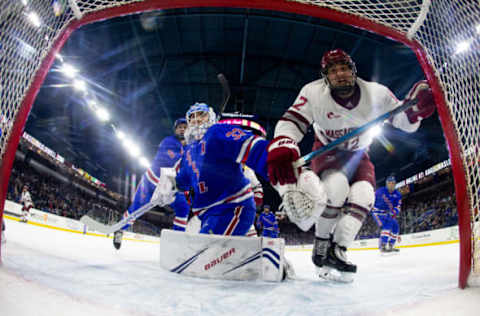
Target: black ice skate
(388, 250)
(336, 267)
(383, 248)
(392, 249)
(319, 251)
(117, 239)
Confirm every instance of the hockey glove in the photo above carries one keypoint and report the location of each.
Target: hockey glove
(425, 106)
(258, 197)
(282, 152)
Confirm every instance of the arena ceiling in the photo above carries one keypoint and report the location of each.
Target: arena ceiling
(148, 69)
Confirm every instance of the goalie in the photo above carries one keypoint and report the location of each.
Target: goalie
(213, 166)
(336, 104)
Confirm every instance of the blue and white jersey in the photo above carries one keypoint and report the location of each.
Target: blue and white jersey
(212, 166)
(386, 202)
(268, 221)
(169, 152)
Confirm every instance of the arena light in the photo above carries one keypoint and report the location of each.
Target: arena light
(25, 2)
(131, 147)
(92, 103)
(462, 47)
(134, 150)
(102, 114)
(120, 135)
(478, 28)
(144, 162)
(80, 85)
(68, 70)
(34, 19)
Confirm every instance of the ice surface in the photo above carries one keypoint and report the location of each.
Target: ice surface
(51, 272)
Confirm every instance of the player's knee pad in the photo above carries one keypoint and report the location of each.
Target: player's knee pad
(337, 187)
(360, 199)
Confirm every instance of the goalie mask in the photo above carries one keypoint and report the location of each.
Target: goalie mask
(304, 201)
(339, 80)
(199, 119)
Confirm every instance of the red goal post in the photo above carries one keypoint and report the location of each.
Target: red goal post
(432, 29)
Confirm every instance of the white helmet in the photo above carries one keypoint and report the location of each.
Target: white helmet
(198, 124)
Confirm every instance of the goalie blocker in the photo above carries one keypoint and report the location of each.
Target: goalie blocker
(223, 257)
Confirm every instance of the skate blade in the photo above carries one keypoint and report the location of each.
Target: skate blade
(388, 254)
(331, 274)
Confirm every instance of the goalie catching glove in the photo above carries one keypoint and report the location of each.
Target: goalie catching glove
(425, 104)
(282, 153)
(304, 201)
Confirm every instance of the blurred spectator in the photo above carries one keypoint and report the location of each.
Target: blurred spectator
(27, 203)
(67, 200)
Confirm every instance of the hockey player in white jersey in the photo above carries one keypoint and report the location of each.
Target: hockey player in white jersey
(26, 200)
(336, 104)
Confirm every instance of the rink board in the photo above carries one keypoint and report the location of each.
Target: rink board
(427, 238)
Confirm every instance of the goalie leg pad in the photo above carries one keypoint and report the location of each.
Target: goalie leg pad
(337, 187)
(222, 257)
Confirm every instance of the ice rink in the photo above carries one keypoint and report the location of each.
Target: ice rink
(52, 272)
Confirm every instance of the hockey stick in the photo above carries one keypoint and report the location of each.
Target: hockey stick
(308, 157)
(108, 229)
(226, 92)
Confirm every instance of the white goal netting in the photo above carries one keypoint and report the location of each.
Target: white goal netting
(443, 33)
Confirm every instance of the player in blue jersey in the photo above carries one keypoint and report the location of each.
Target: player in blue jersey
(169, 152)
(212, 166)
(388, 202)
(268, 222)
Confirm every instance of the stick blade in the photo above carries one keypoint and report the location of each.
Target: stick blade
(226, 91)
(95, 225)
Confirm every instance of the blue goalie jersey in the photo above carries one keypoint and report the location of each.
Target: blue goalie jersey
(213, 167)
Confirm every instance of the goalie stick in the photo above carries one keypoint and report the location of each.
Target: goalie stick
(161, 197)
(308, 157)
(108, 229)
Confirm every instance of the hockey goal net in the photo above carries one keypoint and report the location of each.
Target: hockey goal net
(444, 34)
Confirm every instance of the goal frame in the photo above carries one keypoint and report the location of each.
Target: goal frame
(464, 222)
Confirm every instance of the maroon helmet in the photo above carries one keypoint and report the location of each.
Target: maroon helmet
(336, 56)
